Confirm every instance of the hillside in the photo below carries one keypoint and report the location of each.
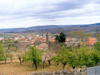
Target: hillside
(56, 28)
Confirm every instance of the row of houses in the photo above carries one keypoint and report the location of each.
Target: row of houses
(42, 41)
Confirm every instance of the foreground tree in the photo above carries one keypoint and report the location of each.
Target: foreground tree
(62, 56)
(34, 55)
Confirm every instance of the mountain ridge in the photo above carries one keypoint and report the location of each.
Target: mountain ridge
(53, 28)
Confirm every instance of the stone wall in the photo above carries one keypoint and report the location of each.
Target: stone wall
(62, 73)
(55, 73)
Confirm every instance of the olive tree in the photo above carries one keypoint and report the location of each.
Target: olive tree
(83, 56)
(62, 56)
(33, 55)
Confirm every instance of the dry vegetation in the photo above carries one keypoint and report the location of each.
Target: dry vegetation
(17, 69)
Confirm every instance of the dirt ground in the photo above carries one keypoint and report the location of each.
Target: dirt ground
(17, 69)
(12, 69)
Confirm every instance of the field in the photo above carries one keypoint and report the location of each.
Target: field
(17, 69)
(14, 68)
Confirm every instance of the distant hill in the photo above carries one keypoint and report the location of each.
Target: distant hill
(55, 28)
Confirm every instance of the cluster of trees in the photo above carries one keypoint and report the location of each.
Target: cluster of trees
(82, 56)
(5, 52)
(78, 57)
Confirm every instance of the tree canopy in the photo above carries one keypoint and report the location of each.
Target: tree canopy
(83, 56)
(97, 46)
(61, 37)
(33, 55)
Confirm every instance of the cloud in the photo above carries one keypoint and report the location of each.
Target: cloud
(25, 13)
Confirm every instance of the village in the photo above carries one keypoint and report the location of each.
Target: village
(16, 47)
(44, 40)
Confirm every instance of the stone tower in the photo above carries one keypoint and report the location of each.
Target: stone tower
(47, 38)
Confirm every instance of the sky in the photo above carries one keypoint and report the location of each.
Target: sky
(27, 13)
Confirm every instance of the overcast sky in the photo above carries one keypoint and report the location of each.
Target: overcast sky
(26, 13)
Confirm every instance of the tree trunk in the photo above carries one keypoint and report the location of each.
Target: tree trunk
(43, 64)
(49, 61)
(5, 60)
(73, 67)
(20, 60)
(64, 64)
(35, 64)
